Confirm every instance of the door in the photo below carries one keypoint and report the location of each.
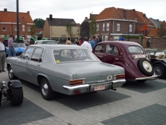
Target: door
(33, 65)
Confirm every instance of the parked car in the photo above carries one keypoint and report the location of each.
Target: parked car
(158, 60)
(11, 91)
(130, 55)
(45, 42)
(18, 47)
(67, 69)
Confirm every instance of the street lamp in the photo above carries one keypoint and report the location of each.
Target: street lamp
(17, 16)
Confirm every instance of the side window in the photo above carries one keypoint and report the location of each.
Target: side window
(115, 51)
(100, 49)
(36, 56)
(28, 52)
(109, 49)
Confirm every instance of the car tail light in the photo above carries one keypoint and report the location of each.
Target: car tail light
(76, 82)
(120, 76)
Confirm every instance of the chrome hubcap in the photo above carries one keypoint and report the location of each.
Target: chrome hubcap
(10, 73)
(158, 71)
(45, 89)
(147, 66)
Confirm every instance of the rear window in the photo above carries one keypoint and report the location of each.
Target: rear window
(135, 49)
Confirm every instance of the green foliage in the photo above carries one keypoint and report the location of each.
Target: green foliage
(33, 31)
(161, 31)
(132, 37)
(93, 27)
(39, 23)
(69, 29)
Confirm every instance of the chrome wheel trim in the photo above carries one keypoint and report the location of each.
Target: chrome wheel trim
(45, 89)
(11, 73)
(158, 71)
(147, 66)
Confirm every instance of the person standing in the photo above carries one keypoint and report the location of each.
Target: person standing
(86, 44)
(93, 42)
(11, 46)
(2, 55)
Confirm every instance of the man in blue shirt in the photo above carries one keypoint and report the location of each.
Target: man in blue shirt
(93, 42)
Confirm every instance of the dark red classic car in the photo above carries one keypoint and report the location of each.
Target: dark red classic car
(129, 55)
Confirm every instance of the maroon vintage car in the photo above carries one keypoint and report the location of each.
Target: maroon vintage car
(130, 55)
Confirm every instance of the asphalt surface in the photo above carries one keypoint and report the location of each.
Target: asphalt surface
(133, 104)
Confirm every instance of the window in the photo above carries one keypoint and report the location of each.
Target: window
(108, 27)
(135, 49)
(109, 49)
(103, 26)
(100, 49)
(15, 28)
(3, 28)
(37, 54)
(118, 27)
(23, 27)
(28, 52)
(130, 28)
(29, 29)
(106, 38)
(115, 51)
(97, 27)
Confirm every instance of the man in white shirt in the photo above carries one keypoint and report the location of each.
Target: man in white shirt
(2, 55)
(86, 44)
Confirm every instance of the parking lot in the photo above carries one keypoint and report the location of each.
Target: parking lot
(133, 104)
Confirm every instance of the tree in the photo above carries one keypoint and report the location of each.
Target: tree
(93, 27)
(33, 31)
(39, 23)
(161, 31)
(69, 29)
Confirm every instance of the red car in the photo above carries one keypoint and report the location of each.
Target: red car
(129, 55)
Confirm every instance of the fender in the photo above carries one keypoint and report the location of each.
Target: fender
(161, 62)
(14, 84)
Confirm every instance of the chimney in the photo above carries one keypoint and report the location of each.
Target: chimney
(50, 16)
(5, 9)
(86, 18)
(28, 12)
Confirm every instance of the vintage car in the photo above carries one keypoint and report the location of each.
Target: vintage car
(18, 47)
(11, 91)
(130, 55)
(67, 69)
(158, 60)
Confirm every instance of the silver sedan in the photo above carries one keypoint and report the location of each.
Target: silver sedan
(67, 69)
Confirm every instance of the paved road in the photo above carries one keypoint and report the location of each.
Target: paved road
(132, 104)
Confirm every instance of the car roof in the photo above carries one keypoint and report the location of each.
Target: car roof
(125, 43)
(60, 46)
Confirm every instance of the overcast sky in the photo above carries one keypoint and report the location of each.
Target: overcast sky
(79, 9)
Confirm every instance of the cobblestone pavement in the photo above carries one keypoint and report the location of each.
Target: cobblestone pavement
(132, 104)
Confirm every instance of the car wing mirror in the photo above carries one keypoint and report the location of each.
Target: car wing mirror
(40, 59)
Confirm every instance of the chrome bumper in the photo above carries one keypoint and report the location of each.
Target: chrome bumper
(86, 88)
(147, 78)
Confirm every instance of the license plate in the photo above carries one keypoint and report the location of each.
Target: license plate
(100, 87)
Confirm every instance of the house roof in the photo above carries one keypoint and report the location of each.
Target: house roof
(8, 16)
(61, 22)
(120, 13)
(153, 32)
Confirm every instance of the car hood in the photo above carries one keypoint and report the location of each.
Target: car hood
(93, 71)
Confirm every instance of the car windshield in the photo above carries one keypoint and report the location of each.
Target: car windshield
(135, 49)
(49, 42)
(66, 55)
(19, 45)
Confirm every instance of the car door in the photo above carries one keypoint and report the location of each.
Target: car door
(33, 65)
(99, 51)
(22, 62)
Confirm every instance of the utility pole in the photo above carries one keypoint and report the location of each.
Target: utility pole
(17, 15)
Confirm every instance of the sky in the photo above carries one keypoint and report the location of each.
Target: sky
(79, 9)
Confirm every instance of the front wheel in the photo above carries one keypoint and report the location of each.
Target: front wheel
(11, 73)
(160, 71)
(46, 90)
(15, 96)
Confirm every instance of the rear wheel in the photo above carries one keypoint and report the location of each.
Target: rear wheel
(160, 71)
(145, 67)
(46, 90)
(16, 96)
(11, 73)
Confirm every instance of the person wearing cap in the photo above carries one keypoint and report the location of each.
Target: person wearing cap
(2, 55)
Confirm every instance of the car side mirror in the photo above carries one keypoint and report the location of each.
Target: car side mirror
(40, 59)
